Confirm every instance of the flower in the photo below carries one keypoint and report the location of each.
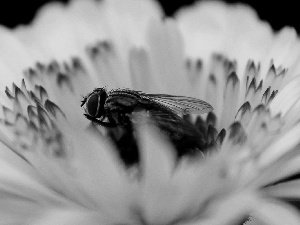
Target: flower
(58, 168)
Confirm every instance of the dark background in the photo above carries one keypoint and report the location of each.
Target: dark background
(277, 13)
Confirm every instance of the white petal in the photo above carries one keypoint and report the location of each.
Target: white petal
(142, 77)
(128, 20)
(286, 166)
(281, 146)
(13, 59)
(69, 216)
(20, 180)
(167, 59)
(286, 97)
(102, 176)
(285, 49)
(170, 193)
(276, 213)
(230, 104)
(157, 159)
(227, 211)
(214, 27)
(288, 190)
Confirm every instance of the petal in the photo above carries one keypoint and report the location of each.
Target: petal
(276, 213)
(101, 176)
(281, 146)
(286, 97)
(142, 77)
(21, 179)
(69, 216)
(214, 27)
(287, 190)
(172, 193)
(128, 20)
(285, 49)
(286, 166)
(167, 59)
(23, 191)
(157, 160)
(13, 58)
(230, 103)
(230, 210)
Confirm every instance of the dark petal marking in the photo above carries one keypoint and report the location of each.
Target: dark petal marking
(237, 133)
(62, 79)
(212, 134)
(8, 93)
(44, 120)
(9, 115)
(20, 96)
(42, 93)
(33, 97)
(53, 67)
(246, 107)
(213, 79)
(266, 95)
(21, 122)
(264, 126)
(230, 104)
(272, 96)
(100, 48)
(211, 119)
(66, 67)
(221, 136)
(77, 64)
(17, 91)
(24, 89)
(260, 108)
(201, 125)
(272, 72)
(39, 95)
(252, 70)
(252, 85)
(30, 73)
(259, 86)
(232, 78)
(55, 143)
(231, 66)
(32, 112)
(106, 45)
(32, 126)
(188, 64)
(40, 66)
(53, 109)
(93, 51)
(199, 65)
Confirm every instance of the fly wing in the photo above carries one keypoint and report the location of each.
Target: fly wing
(181, 104)
(175, 126)
(178, 104)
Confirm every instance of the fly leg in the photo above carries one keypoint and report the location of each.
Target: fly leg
(111, 123)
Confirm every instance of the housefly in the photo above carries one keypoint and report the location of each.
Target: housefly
(116, 109)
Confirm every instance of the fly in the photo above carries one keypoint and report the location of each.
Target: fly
(115, 108)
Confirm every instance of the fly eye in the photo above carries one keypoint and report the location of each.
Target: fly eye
(92, 105)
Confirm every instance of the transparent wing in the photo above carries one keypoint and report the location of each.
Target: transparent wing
(181, 104)
(178, 104)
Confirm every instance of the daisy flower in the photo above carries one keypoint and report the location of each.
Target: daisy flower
(59, 168)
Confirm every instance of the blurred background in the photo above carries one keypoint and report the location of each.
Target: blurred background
(277, 13)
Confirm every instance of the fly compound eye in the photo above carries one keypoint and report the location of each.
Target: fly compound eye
(92, 105)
